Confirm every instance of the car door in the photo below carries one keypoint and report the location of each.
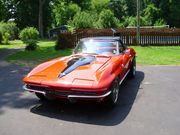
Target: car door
(125, 57)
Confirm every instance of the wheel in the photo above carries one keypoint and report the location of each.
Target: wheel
(112, 99)
(40, 96)
(132, 72)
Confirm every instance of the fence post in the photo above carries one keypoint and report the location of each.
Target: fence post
(127, 39)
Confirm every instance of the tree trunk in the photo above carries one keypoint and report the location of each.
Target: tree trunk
(41, 3)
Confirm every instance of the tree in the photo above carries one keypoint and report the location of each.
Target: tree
(151, 14)
(107, 20)
(131, 7)
(41, 4)
(44, 16)
(119, 7)
(25, 13)
(3, 11)
(174, 14)
(100, 5)
(84, 4)
(83, 20)
(32, 13)
(132, 21)
(63, 12)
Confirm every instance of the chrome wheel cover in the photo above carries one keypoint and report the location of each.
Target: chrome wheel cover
(134, 69)
(115, 92)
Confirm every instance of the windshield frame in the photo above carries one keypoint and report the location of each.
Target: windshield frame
(117, 46)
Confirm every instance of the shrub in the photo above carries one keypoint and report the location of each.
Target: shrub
(65, 40)
(160, 22)
(11, 28)
(29, 33)
(58, 45)
(0, 38)
(31, 45)
(6, 37)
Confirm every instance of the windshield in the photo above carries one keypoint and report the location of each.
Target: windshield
(96, 47)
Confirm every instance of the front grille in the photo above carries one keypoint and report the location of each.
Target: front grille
(60, 92)
(35, 87)
(66, 93)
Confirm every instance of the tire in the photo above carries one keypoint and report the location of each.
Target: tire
(40, 96)
(132, 72)
(112, 99)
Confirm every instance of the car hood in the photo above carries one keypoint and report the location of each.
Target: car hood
(71, 70)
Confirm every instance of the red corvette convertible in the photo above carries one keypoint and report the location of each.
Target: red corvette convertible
(93, 72)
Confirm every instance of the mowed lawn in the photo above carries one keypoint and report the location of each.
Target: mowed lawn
(44, 51)
(13, 44)
(150, 55)
(161, 55)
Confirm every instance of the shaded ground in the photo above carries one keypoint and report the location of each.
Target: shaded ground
(149, 104)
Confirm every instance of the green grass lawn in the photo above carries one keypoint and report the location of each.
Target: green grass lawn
(151, 55)
(20, 44)
(161, 55)
(44, 52)
(13, 44)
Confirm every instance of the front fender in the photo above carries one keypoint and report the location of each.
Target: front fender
(108, 73)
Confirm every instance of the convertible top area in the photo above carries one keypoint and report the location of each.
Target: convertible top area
(109, 38)
(105, 38)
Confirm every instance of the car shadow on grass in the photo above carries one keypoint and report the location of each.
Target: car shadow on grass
(93, 112)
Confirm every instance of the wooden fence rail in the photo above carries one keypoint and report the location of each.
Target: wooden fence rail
(161, 36)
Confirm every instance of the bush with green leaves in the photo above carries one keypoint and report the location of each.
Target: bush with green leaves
(11, 28)
(31, 45)
(58, 45)
(160, 22)
(29, 33)
(6, 37)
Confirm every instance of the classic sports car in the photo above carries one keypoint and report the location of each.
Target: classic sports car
(94, 71)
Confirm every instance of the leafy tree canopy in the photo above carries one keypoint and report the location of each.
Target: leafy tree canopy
(90, 13)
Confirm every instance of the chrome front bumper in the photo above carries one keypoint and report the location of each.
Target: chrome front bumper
(83, 96)
(31, 90)
(71, 96)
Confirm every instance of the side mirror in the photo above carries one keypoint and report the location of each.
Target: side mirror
(127, 51)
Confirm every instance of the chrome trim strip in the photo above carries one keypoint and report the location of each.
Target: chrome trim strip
(124, 77)
(31, 90)
(82, 96)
